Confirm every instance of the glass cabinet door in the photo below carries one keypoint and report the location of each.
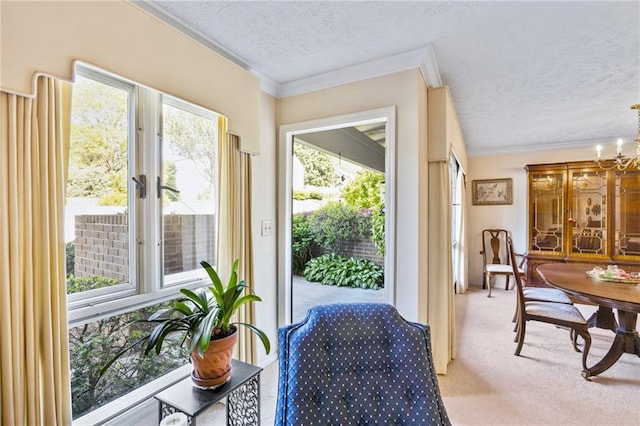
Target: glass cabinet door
(546, 211)
(588, 212)
(627, 214)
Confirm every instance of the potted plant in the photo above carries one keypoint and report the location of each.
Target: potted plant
(204, 319)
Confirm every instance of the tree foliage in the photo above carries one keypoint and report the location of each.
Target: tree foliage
(98, 150)
(192, 137)
(98, 154)
(93, 346)
(318, 166)
(95, 380)
(363, 192)
(169, 177)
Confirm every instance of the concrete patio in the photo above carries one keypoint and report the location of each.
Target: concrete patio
(306, 294)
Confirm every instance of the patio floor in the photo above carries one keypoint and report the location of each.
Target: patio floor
(307, 294)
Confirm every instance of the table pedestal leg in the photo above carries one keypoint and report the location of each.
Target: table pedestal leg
(603, 318)
(626, 341)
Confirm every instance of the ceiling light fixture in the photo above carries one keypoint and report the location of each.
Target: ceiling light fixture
(620, 162)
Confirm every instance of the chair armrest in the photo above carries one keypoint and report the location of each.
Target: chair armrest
(523, 258)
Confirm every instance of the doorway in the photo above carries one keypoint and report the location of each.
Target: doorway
(348, 149)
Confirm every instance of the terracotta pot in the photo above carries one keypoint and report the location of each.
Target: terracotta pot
(213, 369)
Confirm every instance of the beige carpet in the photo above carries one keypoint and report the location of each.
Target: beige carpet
(488, 385)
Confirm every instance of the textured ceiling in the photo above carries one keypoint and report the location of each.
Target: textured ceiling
(524, 75)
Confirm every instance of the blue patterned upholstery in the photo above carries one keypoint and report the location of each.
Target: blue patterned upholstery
(357, 364)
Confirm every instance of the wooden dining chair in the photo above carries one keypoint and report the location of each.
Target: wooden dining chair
(495, 257)
(560, 314)
(538, 294)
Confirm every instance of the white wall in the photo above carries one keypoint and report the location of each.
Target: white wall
(264, 208)
(117, 36)
(400, 90)
(512, 217)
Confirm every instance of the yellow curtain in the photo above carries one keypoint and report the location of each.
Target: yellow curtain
(34, 353)
(234, 225)
(441, 313)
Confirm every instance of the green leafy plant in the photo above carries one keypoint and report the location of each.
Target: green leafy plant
(377, 229)
(333, 269)
(335, 223)
(323, 269)
(301, 242)
(203, 315)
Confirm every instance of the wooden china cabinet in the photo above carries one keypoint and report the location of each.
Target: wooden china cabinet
(579, 212)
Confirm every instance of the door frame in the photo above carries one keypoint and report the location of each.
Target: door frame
(287, 133)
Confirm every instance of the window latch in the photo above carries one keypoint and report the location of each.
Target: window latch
(168, 188)
(141, 184)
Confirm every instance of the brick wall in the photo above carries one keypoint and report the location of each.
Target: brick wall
(102, 244)
(187, 241)
(362, 248)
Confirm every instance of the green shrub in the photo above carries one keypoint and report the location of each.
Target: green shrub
(113, 199)
(307, 195)
(70, 256)
(301, 242)
(79, 284)
(335, 223)
(300, 195)
(333, 269)
(377, 229)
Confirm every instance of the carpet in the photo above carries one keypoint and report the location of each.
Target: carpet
(488, 385)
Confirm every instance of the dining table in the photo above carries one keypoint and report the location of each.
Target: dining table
(622, 295)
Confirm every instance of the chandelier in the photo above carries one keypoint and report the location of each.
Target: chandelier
(620, 162)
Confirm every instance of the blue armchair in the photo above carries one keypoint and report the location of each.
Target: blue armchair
(357, 364)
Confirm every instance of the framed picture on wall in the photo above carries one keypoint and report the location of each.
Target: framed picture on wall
(489, 192)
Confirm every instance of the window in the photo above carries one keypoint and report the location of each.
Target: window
(139, 218)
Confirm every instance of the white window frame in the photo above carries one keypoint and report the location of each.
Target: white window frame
(146, 280)
(92, 297)
(178, 279)
(146, 286)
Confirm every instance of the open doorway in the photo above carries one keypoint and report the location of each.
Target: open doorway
(336, 212)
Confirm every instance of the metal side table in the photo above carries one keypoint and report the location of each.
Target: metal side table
(242, 392)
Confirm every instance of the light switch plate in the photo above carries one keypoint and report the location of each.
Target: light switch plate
(266, 228)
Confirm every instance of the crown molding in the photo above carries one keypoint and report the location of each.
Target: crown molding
(378, 67)
(429, 68)
(267, 85)
(422, 58)
(556, 146)
(185, 29)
